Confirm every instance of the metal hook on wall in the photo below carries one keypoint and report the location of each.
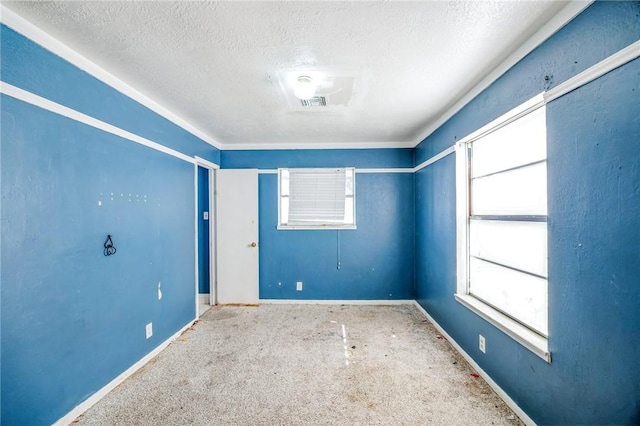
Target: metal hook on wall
(109, 249)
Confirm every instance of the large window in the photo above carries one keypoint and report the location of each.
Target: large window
(316, 198)
(502, 253)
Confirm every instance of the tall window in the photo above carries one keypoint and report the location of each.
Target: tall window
(316, 198)
(504, 233)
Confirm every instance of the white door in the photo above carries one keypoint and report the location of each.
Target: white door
(237, 236)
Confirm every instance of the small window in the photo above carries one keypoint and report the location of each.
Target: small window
(316, 198)
(502, 253)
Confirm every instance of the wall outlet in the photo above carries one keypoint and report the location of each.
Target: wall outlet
(299, 285)
(149, 330)
(482, 343)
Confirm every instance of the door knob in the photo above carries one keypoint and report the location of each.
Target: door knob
(254, 244)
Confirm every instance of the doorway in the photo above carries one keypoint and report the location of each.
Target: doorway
(205, 236)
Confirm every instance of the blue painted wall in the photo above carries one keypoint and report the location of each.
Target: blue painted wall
(362, 158)
(376, 259)
(72, 319)
(203, 230)
(594, 229)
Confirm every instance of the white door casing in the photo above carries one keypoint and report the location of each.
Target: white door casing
(237, 236)
(213, 299)
(212, 168)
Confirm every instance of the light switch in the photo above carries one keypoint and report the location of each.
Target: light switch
(205, 215)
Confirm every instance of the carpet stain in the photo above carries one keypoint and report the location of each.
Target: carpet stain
(286, 364)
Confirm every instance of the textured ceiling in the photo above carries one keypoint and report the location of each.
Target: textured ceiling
(388, 69)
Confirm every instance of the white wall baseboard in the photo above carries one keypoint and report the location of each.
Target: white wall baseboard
(497, 389)
(93, 399)
(203, 299)
(334, 302)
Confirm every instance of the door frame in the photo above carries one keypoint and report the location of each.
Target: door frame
(212, 167)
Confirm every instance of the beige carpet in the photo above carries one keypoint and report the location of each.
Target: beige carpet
(292, 365)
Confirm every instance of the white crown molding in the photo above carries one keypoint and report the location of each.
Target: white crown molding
(358, 171)
(592, 73)
(574, 8)
(608, 64)
(30, 98)
(316, 145)
(569, 12)
(32, 32)
(614, 61)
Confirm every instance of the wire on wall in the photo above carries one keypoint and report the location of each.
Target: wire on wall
(338, 249)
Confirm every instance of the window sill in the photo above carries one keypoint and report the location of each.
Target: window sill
(315, 228)
(527, 338)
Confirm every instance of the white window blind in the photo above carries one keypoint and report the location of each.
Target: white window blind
(507, 223)
(317, 197)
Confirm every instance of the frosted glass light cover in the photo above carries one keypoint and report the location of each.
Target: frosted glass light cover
(304, 88)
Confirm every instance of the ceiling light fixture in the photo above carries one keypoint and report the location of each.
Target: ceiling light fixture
(305, 89)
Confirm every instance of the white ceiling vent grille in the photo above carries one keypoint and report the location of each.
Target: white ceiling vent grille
(316, 101)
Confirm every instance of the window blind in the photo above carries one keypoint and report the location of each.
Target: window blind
(316, 196)
(507, 222)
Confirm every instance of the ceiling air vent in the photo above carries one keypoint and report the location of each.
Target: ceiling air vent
(316, 101)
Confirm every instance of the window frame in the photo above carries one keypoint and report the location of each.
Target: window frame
(530, 339)
(325, 226)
